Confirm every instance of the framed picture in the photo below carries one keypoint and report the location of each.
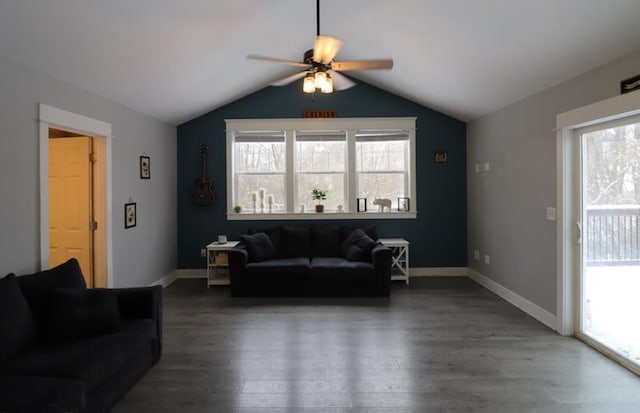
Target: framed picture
(403, 204)
(362, 204)
(145, 167)
(130, 215)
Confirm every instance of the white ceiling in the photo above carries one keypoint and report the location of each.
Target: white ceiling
(177, 59)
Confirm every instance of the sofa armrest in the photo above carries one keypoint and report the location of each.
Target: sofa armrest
(41, 394)
(381, 258)
(142, 302)
(238, 260)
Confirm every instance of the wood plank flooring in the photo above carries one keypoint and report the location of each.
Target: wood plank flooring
(437, 345)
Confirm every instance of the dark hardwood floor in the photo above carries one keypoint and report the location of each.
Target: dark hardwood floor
(438, 345)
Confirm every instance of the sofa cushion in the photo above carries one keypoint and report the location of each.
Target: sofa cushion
(35, 287)
(259, 247)
(18, 328)
(82, 313)
(325, 241)
(357, 246)
(296, 242)
(41, 394)
(91, 360)
(279, 268)
(341, 270)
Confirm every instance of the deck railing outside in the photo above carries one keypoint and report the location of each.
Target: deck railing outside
(613, 235)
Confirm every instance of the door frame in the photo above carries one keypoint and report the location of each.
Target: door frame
(52, 117)
(568, 196)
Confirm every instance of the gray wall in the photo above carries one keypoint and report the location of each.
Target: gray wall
(507, 205)
(141, 255)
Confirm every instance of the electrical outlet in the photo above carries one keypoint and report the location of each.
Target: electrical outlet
(476, 255)
(203, 252)
(551, 214)
(487, 259)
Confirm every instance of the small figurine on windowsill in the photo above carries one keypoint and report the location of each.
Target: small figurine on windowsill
(339, 209)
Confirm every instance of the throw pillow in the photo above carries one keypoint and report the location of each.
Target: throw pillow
(36, 287)
(18, 329)
(357, 246)
(274, 234)
(82, 313)
(259, 247)
(370, 230)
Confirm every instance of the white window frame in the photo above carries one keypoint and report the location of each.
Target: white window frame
(350, 126)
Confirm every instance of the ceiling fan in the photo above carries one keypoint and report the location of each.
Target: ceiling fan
(320, 70)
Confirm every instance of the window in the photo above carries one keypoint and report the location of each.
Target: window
(382, 160)
(274, 164)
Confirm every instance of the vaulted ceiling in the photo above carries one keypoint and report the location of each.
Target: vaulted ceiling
(177, 59)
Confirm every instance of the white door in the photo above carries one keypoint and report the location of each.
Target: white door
(610, 237)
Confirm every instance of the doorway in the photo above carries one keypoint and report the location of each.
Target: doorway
(610, 236)
(75, 213)
(59, 125)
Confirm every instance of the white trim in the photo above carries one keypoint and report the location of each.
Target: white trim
(438, 271)
(318, 216)
(50, 116)
(566, 123)
(518, 301)
(192, 273)
(167, 280)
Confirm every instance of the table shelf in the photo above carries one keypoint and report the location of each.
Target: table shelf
(399, 258)
(218, 262)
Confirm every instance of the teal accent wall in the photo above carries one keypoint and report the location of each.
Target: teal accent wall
(438, 236)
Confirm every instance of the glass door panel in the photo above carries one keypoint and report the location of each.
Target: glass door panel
(610, 222)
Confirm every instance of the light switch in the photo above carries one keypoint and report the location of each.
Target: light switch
(477, 167)
(487, 259)
(551, 214)
(486, 166)
(476, 254)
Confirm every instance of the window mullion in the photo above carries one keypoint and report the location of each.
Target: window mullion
(351, 187)
(290, 180)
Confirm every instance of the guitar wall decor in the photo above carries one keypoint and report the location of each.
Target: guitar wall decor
(203, 192)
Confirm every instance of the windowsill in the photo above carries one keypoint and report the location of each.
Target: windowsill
(250, 216)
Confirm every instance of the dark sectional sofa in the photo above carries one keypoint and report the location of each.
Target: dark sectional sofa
(320, 260)
(66, 348)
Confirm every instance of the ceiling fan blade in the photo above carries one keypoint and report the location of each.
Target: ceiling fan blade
(340, 82)
(325, 49)
(373, 64)
(289, 79)
(276, 60)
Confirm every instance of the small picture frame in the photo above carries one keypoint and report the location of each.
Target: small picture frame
(145, 167)
(403, 204)
(130, 215)
(361, 204)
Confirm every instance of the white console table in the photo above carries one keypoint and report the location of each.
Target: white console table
(399, 258)
(218, 263)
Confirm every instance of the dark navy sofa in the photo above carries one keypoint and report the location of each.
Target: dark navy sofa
(316, 260)
(66, 348)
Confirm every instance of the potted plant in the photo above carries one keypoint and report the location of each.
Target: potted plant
(238, 209)
(319, 195)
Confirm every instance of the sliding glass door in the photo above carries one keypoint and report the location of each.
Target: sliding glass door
(609, 232)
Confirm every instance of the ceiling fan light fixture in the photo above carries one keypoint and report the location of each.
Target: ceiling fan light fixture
(309, 84)
(321, 80)
(328, 86)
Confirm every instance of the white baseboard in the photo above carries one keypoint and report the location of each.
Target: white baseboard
(539, 313)
(166, 280)
(193, 273)
(438, 271)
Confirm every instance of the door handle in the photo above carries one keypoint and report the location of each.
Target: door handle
(579, 231)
